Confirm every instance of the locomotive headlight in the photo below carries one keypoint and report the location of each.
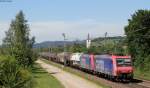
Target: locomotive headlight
(130, 71)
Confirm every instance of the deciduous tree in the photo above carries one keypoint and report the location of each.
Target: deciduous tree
(138, 37)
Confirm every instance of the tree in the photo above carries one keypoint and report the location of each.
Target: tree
(138, 37)
(77, 48)
(8, 40)
(17, 41)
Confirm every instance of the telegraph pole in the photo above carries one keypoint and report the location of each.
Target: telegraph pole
(50, 50)
(105, 36)
(64, 36)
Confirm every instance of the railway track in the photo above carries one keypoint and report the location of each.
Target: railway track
(144, 84)
(136, 83)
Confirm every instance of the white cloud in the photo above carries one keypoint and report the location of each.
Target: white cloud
(52, 30)
(3, 27)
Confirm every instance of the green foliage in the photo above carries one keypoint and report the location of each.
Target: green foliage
(146, 64)
(92, 50)
(17, 42)
(12, 75)
(1, 51)
(138, 38)
(110, 45)
(77, 48)
(57, 49)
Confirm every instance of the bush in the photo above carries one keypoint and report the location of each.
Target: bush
(12, 75)
(147, 64)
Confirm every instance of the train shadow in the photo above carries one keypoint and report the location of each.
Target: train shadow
(136, 81)
(130, 81)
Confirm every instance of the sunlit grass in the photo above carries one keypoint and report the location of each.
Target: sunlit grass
(142, 75)
(43, 79)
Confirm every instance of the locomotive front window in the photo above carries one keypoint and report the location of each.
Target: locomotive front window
(123, 62)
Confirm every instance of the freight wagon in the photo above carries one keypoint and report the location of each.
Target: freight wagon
(49, 56)
(64, 58)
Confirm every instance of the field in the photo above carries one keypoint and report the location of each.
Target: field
(44, 80)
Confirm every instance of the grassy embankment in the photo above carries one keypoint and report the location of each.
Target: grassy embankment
(82, 74)
(43, 79)
(142, 75)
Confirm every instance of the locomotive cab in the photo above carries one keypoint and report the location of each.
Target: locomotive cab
(123, 66)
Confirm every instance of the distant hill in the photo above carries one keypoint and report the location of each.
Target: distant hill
(95, 42)
(101, 40)
(108, 38)
(47, 44)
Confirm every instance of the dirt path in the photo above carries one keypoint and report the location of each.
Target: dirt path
(67, 79)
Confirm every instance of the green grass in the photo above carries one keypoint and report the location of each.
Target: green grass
(43, 79)
(142, 75)
(83, 75)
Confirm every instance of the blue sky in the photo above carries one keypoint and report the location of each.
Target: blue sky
(49, 18)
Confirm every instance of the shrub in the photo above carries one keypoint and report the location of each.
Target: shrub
(12, 75)
(147, 64)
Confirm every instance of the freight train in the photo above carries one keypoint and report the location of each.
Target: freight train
(106, 65)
